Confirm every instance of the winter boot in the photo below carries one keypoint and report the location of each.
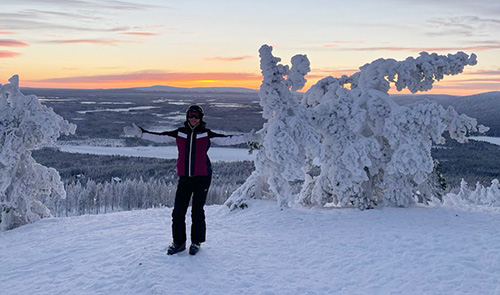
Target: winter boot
(174, 248)
(195, 247)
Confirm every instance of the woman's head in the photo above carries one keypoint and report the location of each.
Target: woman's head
(194, 114)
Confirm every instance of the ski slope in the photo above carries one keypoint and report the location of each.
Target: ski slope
(260, 250)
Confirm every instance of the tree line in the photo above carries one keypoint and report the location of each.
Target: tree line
(97, 184)
(91, 197)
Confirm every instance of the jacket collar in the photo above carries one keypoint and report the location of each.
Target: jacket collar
(200, 126)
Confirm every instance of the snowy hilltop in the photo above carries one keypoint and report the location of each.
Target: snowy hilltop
(265, 250)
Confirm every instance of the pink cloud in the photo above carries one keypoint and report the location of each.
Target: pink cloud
(87, 41)
(337, 43)
(141, 34)
(496, 80)
(12, 43)
(7, 54)
(485, 73)
(237, 58)
(384, 48)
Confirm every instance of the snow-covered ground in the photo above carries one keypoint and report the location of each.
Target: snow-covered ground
(164, 152)
(492, 140)
(260, 250)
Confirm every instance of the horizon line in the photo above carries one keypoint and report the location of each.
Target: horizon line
(391, 93)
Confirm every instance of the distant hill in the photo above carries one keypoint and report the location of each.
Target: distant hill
(154, 88)
(159, 88)
(485, 107)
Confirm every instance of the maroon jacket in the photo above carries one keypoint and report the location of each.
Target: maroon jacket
(192, 146)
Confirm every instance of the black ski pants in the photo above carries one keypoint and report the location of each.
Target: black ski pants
(197, 187)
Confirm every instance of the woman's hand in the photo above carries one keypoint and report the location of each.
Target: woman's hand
(252, 136)
(133, 131)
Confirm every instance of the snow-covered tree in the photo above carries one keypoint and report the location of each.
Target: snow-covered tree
(377, 151)
(481, 195)
(285, 135)
(26, 125)
(370, 149)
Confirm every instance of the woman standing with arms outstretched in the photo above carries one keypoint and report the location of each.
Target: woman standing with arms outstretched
(194, 170)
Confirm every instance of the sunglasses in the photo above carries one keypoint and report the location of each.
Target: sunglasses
(194, 115)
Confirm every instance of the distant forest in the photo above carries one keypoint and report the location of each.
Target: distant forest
(473, 161)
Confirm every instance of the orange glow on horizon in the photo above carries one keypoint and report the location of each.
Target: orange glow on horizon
(462, 85)
(251, 84)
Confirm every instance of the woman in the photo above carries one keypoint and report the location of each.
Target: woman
(194, 170)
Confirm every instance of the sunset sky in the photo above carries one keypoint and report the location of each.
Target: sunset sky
(194, 43)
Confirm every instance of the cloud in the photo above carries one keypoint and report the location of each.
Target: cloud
(455, 22)
(124, 5)
(473, 85)
(335, 43)
(87, 41)
(468, 22)
(475, 80)
(19, 21)
(7, 54)
(228, 59)
(480, 80)
(141, 34)
(115, 5)
(65, 14)
(463, 25)
(12, 43)
(485, 73)
(83, 16)
(153, 76)
(428, 49)
(477, 7)
(456, 32)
